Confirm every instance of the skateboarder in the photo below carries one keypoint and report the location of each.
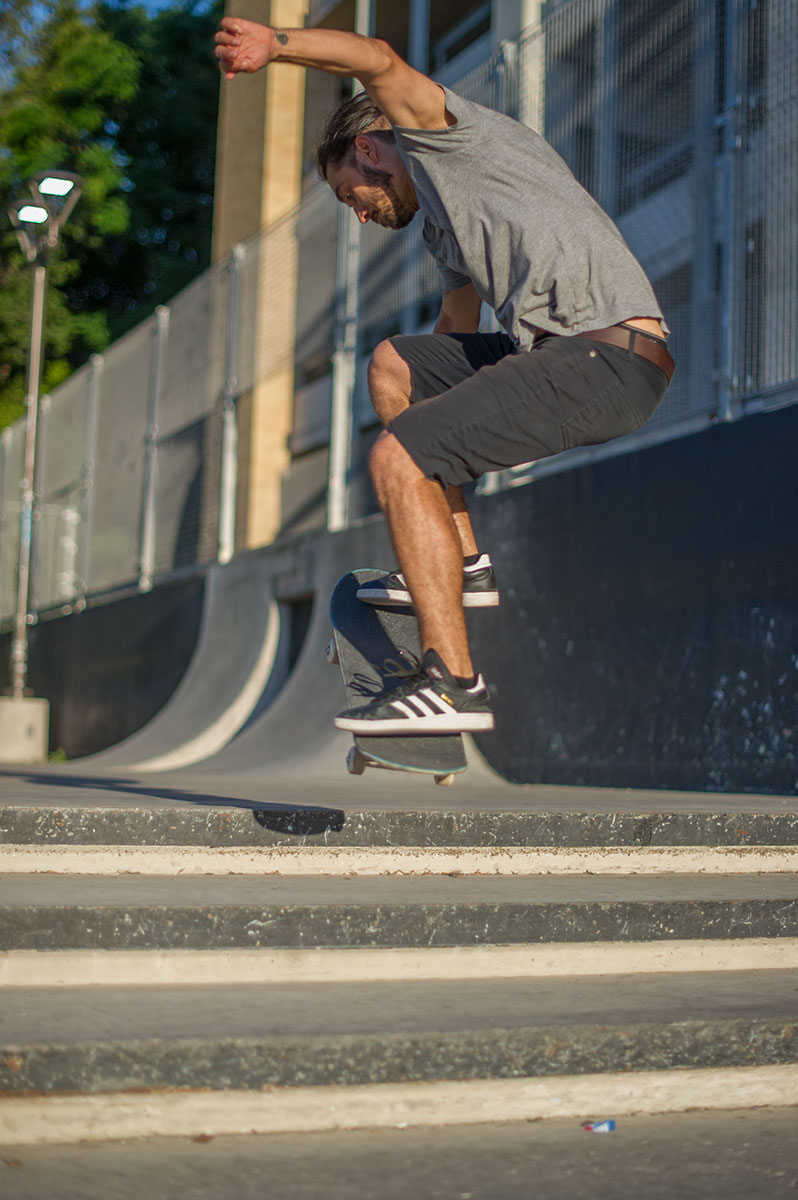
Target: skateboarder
(582, 359)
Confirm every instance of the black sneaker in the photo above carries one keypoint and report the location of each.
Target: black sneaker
(479, 588)
(427, 701)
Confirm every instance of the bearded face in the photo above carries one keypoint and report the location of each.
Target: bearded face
(386, 197)
(389, 208)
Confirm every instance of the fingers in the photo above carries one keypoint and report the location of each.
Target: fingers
(234, 47)
(230, 67)
(226, 51)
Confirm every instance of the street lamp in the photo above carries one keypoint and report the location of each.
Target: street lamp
(38, 223)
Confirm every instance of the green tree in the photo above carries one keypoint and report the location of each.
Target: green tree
(166, 139)
(66, 77)
(17, 22)
(128, 99)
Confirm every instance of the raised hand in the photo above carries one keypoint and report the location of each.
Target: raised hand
(244, 46)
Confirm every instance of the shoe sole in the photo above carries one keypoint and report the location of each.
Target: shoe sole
(464, 723)
(402, 600)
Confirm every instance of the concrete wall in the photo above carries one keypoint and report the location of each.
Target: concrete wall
(649, 630)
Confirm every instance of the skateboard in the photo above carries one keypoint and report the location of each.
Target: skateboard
(364, 637)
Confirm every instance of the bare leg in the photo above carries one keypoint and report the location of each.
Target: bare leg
(423, 529)
(390, 389)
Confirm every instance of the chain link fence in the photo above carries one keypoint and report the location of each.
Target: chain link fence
(680, 116)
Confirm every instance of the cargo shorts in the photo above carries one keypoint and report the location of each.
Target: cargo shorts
(479, 404)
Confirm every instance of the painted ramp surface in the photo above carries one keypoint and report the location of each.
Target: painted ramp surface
(295, 734)
(217, 740)
(294, 743)
(239, 652)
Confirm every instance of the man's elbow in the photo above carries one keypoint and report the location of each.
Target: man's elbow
(385, 59)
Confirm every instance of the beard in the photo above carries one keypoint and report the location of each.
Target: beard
(392, 211)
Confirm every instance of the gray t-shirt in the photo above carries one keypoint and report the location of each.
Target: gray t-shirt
(504, 212)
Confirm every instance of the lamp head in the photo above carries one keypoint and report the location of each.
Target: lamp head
(38, 224)
(30, 222)
(58, 192)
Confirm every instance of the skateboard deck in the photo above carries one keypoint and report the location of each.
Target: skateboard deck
(364, 636)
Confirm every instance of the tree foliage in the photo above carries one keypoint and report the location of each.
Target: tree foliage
(127, 100)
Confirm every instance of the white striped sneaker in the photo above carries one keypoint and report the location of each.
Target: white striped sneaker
(479, 588)
(427, 701)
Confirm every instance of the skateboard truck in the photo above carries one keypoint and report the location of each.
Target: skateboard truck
(357, 761)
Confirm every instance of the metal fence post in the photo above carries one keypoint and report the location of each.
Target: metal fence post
(418, 36)
(732, 215)
(38, 509)
(344, 361)
(701, 351)
(160, 334)
(606, 106)
(228, 472)
(19, 645)
(87, 476)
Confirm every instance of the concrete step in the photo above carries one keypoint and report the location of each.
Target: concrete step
(174, 840)
(166, 840)
(41, 912)
(186, 969)
(611, 822)
(353, 1055)
(110, 1039)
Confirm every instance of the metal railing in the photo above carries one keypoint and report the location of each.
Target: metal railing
(680, 116)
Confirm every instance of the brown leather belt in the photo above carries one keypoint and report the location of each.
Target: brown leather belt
(644, 344)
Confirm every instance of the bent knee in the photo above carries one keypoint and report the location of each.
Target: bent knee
(389, 460)
(386, 362)
(389, 382)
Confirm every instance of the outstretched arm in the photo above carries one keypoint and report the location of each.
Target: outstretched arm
(407, 97)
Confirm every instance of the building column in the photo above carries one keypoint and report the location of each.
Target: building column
(258, 184)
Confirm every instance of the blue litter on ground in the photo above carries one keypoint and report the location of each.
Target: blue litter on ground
(598, 1126)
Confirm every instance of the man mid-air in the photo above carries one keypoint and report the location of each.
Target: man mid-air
(582, 359)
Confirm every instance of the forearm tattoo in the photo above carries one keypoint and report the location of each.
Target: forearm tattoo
(282, 38)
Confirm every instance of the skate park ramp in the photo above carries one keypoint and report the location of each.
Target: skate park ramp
(288, 748)
(293, 743)
(240, 656)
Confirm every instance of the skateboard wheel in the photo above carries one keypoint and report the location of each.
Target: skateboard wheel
(444, 780)
(331, 652)
(355, 762)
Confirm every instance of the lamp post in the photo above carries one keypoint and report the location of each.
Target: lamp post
(38, 225)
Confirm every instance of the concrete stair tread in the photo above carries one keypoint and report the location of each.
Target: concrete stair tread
(42, 890)
(69, 788)
(69, 1016)
(620, 819)
(153, 1052)
(39, 912)
(256, 1038)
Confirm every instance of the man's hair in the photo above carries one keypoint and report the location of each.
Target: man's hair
(355, 116)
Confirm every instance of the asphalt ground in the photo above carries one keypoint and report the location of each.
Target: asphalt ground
(739, 1155)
